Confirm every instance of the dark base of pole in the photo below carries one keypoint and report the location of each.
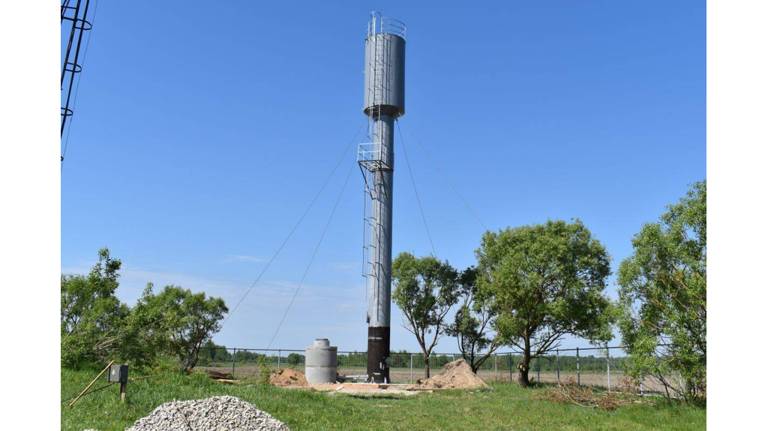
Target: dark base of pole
(378, 354)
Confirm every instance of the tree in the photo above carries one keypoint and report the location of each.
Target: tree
(663, 297)
(545, 281)
(294, 359)
(179, 321)
(425, 290)
(473, 322)
(211, 353)
(91, 314)
(141, 341)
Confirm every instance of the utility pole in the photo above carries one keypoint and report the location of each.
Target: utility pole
(76, 13)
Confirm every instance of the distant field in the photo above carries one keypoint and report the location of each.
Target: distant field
(504, 407)
(404, 375)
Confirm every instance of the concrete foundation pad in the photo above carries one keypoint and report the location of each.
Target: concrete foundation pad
(368, 389)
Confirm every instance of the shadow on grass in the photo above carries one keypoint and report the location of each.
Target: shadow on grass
(376, 397)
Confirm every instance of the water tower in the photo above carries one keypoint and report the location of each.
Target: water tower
(384, 102)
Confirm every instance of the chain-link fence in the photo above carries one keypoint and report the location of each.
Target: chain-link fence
(592, 366)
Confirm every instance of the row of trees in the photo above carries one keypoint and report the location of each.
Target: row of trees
(532, 285)
(96, 326)
(211, 353)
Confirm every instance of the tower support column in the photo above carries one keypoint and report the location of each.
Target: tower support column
(380, 281)
(384, 103)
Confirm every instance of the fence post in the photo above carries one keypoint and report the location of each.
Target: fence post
(411, 367)
(538, 370)
(496, 367)
(234, 352)
(278, 358)
(608, 363)
(557, 364)
(510, 367)
(578, 368)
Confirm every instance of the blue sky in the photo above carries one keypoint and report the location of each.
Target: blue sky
(202, 130)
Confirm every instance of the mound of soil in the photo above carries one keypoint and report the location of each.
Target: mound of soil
(288, 377)
(455, 375)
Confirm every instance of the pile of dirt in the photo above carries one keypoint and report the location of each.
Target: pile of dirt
(288, 377)
(455, 375)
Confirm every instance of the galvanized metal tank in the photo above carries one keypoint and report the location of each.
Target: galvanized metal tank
(320, 362)
(384, 74)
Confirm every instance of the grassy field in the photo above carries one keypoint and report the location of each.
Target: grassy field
(505, 407)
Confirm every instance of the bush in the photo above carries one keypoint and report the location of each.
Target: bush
(663, 295)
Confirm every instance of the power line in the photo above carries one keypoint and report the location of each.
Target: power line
(415, 190)
(312, 258)
(296, 225)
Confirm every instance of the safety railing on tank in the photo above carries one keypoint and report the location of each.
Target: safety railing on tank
(369, 152)
(383, 24)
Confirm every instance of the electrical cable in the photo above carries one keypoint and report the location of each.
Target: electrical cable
(312, 258)
(295, 226)
(415, 190)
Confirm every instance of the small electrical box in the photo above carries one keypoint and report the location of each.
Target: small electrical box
(118, 374)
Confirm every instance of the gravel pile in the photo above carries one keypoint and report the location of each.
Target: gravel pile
(223, 413)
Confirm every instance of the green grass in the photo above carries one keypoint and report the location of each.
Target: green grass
(505, 407)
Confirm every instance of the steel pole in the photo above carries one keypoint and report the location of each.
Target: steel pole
(608, 363)
(578, 368)
(234, 352)
(380, 283)
(538, 370)
(411, 367)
